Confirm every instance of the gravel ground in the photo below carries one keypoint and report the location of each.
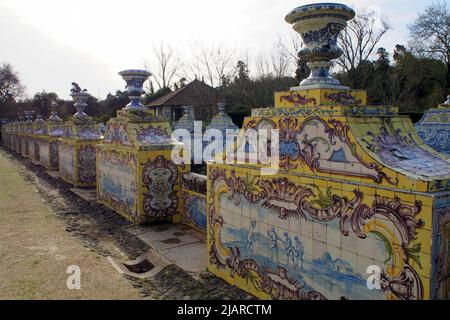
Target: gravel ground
(44, 227)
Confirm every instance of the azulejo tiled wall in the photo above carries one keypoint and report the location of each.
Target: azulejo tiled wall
(356, 188)
(19, 138)
(440, 283)
(49, 144)
(33, 152)
(25, 131)
(11, 135)
(136, 176)
(434, 128)
(193, 191)
(77, 152)
(117, 180)
(7, 135)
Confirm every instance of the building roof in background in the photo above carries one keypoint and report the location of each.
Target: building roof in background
(195, 93)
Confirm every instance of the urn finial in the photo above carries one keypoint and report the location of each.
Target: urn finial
(319, 26)
(29, 115)
(135, 87)
(39, 118)
(448, 100)
(222, 106)
(54, 117)
(80, 97)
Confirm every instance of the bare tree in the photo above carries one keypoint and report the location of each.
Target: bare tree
(206, 64)
(430, 34)
(280, 62)
(191, 66)
(360, 38)
(281, 59)
(263, 67)
(165, 67)
(289, 45)
(10, 85)
(223, 64)
(213, 63)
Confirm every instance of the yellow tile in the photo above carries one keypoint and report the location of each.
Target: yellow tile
(385, 193)
(397, 124)
(425, 265)
(426, 283)
(349, 187)
(424, 239)
(405, 183)
(336, 185)
(369, 200)
(421, 186)
(406, 197)
(426, 214)
(321, 183)
(408, 125)
(355, 132)
(307, 181)
(325, 175)
(367, 191)
(348, 194)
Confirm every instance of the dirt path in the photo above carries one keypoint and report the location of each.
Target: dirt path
(36, 249)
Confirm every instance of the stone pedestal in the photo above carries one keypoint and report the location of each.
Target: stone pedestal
(4, 134)
(38, 129)
(28, 137)
(7, 135)
(434, 128)
(27, 134)
(187, 124)
(217, 129)
(76, 148)
(31, 147)
(48, 143)
(223, 123)
(136, 176)
(77, 153)
(23, 139)
(14, 136)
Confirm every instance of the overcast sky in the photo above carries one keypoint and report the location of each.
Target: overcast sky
(54, 42)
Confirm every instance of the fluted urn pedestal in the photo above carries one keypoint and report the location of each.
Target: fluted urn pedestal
(38, 129)
(22, 139)
(26, 133)
(319, 26)
(17, 131)
(76, 149)
(14, 136)
(9, 135)
(136, 176)
(48, 142)
(5, 134)
(354, 191)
